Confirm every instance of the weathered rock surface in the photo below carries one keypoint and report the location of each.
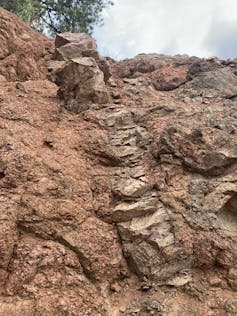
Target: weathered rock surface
(23, 51)
(163, 72)
(222, 81)
(81, 81)
(119, 198)
(203, 65)
(69, 46)
(83, 40)
(80, 71)
(205, 145)
(125, 211)
(144, 238)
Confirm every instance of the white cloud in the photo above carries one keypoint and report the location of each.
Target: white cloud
(165, 26)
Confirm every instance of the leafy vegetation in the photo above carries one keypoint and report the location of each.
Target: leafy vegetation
(59, 16)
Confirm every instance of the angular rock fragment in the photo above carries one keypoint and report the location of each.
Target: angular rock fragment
(82, 82)
(169, 78)
(131, 188)
(82, 39)
(126, 211)
(79, 71)
(144, 242)
(146, 227)
(137, 172)
(141, 257)
(55, 66)
(119, 118)
(71, 51)
(76, 45)
(223, 202)
(179, 280)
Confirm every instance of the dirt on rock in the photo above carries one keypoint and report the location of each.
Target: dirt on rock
(121, 207)
(23, 51)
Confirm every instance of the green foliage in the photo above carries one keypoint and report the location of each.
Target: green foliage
(59, 16)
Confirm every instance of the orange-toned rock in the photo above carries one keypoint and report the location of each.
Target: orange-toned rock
(23, 51)
(128, 205)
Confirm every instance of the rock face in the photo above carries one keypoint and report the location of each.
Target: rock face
(201, 145)
(118, 195)
(222, 81)
(23, 51)
(163, 72)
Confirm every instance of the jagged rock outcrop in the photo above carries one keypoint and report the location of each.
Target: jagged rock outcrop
(81, 82)
(79, 71)
(75, 45)
(118, 194)
(163, 72)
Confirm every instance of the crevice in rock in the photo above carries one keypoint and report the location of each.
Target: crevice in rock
(228, 215)
(2, 175)
(82, 260)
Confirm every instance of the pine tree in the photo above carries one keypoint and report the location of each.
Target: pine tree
(58, 16)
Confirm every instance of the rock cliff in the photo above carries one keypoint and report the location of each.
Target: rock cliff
(118, 180)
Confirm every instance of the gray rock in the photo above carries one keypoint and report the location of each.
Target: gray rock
(179, 280)
(144, 239)
(207, 147)
(126, 151)
(126, 211)
(223, 202)
(155, 227)
(131, 188)
(76, 45)
(222, 80)
(82, 82)
(85, 41)
(54, 67)
(74, 50)
(202, 65)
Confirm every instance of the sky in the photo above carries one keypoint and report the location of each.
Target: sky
(201, 28)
